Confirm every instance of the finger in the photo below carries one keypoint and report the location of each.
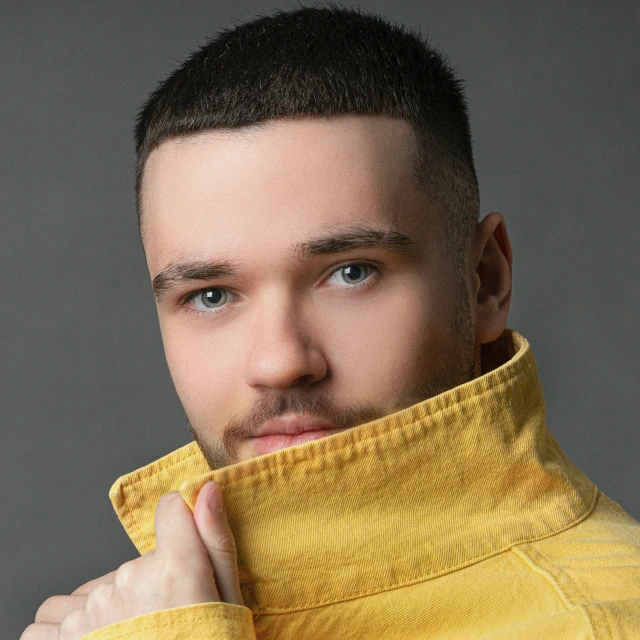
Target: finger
(40, 631)
(54, 609)
(175, 529)
(77, 625)
(211, 521)
(88, 586)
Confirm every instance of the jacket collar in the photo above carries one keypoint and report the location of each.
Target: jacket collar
(416, 494)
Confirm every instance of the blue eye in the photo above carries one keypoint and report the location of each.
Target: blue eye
(353, 274)
(213, 298)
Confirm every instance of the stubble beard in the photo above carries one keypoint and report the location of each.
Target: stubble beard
(457, 367)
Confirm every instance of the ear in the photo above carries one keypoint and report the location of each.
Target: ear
(492, 261)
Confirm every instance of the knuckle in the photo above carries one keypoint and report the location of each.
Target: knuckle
(125, 575)
(226, 543)
(98, 598)
(225, 547)
(72, 624)
(47, 607)
(87, 586)
(33, 632)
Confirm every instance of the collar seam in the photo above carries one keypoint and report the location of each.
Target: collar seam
(138, 476)
(444, 571)
(499, 380)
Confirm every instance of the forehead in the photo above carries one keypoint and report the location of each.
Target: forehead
(283, 179)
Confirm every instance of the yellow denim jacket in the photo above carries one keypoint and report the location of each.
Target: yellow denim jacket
(459, 517)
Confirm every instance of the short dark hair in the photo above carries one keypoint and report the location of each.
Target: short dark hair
(324, 61)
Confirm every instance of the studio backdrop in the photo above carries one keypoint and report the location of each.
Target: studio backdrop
(553, 90)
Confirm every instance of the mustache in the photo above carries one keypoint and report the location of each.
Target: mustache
(272, 406)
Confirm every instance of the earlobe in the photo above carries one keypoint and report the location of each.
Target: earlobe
(493, 277)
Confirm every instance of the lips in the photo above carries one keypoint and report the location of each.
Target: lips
(287, 431)
(293, 425)
(277, 441)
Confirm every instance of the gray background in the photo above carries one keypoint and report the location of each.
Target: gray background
(86, 395)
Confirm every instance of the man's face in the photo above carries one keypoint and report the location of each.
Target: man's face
(291, 322)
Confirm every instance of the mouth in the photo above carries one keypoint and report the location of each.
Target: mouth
(289, 430)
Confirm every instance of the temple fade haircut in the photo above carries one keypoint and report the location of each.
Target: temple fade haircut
(325, 61)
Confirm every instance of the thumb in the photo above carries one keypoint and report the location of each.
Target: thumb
(211, 521)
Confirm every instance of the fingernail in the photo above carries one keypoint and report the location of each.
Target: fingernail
(215, 498)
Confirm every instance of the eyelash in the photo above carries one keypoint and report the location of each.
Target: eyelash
(215, 312)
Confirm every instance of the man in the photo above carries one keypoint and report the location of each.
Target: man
(334, 317)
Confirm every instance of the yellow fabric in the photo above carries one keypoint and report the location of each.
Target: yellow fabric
(459, 517)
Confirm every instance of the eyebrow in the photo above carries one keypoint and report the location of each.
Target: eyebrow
(335, 241)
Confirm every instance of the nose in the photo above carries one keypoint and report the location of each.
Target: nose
(282, 354)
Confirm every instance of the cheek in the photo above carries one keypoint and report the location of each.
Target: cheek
(201, 365)
(383, 345)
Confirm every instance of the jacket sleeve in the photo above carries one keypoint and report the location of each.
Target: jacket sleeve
(205, 621)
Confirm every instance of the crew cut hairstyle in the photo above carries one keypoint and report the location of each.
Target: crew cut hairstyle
(325, 61)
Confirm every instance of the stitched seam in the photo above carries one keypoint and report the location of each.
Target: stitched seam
(522, 365)
(600, 632)
(610, 619)
(519, 365)
(150, 626)
(588, 610)
(534, 566)
(437, 574)
(520, 553)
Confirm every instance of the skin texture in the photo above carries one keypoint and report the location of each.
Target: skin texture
(195, 560)
(292, 336)
(300, 338)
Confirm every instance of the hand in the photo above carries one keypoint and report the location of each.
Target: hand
(194, 561)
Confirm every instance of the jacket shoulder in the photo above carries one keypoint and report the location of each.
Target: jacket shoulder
(595, 566)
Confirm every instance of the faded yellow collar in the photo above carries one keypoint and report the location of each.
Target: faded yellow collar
(416, 494)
